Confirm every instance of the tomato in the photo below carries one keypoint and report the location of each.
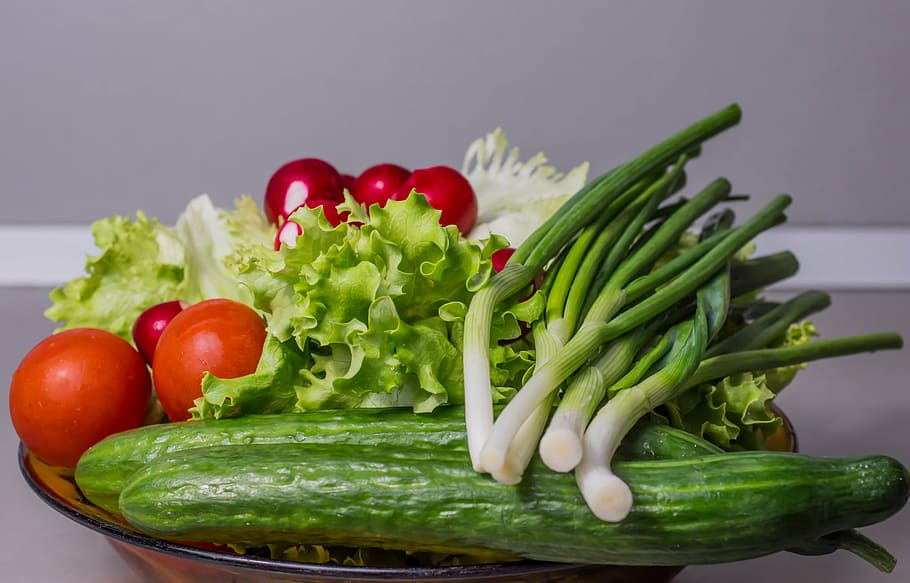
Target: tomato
(298, 181)
(447, 190)
(219, 336)
(75, 388)
(378, 183)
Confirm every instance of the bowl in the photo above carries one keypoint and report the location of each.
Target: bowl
(156, 560)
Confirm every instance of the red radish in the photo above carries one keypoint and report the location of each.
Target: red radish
(289, 230)
(330, 208)
(151, 323)
(297, 182)
(378, 183)
(500, 257)
(347, 181)
(446, 190)
(287, 234)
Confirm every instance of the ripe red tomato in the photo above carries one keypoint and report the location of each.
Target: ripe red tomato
(378, 183)
(75, 388)
(220, 336)
(447, 190)
(297, 182)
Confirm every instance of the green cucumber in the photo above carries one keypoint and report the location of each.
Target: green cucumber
(104, 468)
(712, 508)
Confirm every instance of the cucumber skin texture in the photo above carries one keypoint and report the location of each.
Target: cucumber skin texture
(104, 468)
(709, 509)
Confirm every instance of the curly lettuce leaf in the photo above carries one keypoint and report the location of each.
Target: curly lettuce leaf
(143, 262)
(797, 334)
(365, 313)
(727, 412)
(269, 389)
(515, 197)
(736, 412)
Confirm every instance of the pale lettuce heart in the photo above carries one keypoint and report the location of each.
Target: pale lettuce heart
(515, 197)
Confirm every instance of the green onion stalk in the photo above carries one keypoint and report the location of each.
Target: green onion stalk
(770, 326)
(594, 333)
(544, 244)
(561, 444)
(724, 365)
(546, 344)
(672, 361)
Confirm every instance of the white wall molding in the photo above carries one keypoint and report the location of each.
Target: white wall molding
(831, 258)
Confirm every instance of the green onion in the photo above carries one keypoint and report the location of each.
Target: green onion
(772, 325)
(674, 360)
(561, 445)
(543, 245)
(594, 334)
(724, 365)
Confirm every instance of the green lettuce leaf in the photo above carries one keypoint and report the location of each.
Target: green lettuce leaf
(366, 314)
(142, 262)
(727, 412)
(736, 412)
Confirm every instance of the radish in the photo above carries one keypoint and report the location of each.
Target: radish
(378, 183)
(287, 234)
(289, 230)
(347, 182)
(297, 182)
(447, 190)
(151, 323)
(499, 259)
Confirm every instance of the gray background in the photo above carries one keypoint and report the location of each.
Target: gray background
(110, 106)
(113, 106)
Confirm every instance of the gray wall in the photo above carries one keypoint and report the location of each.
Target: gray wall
(111, 106)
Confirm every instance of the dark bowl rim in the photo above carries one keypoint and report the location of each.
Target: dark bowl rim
(340, 572)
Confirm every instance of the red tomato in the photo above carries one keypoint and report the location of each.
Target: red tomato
(378, 183)
(219, 336)
(75, 388)
(297, 182)
(447, 190)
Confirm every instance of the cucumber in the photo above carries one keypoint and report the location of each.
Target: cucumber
(707, 509)
(104, 468)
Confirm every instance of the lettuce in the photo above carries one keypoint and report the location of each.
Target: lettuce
(736, 412)
(514, 197)
(143, 262)
(728, 411)
(367, 314)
